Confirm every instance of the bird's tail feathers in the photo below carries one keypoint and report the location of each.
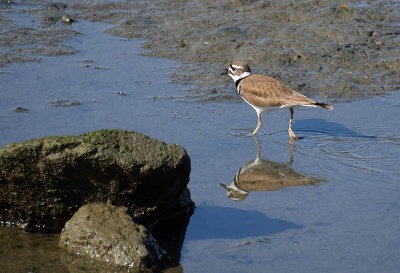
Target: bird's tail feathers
(323, 105)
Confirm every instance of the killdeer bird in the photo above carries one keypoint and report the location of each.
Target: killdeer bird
(265, 93)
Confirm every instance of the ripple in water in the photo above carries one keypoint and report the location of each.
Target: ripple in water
(248, 132)
(357, 160)
(363, 161)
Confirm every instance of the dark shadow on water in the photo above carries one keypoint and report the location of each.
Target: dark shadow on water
(313, 127)
(209, 222)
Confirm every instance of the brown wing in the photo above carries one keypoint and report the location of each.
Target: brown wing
(265, 91)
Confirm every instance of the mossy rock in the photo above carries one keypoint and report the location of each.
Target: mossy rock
(106, 234)
(44, 181)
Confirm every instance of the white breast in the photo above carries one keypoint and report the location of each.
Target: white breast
(260, 109)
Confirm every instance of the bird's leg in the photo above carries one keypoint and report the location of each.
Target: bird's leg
(259, 123)
(291, 133)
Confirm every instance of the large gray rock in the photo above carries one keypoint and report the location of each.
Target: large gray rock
(107, 234)
(43, 182)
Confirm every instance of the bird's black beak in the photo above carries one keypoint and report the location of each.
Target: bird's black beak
(225, 72)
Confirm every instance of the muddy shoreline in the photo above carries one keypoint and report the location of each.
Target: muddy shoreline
(320, 48)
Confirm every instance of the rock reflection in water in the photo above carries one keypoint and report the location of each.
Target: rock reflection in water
(265, 175)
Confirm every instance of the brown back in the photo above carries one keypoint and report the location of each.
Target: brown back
(264, 91)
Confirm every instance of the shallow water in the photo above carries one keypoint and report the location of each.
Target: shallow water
(348, 222)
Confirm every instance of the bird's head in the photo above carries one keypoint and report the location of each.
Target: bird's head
(238, 70)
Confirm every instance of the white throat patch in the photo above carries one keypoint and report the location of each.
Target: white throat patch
(245, 74)
(235, 78)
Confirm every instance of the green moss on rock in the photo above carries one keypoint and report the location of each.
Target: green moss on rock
(44, 181)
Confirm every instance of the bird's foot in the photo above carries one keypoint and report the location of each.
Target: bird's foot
(292, 135)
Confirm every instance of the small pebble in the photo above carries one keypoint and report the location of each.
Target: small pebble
(65, 102)
(122, 93)
(66, 20)
(20, 110)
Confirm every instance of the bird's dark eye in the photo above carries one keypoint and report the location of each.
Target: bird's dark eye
(233, 69)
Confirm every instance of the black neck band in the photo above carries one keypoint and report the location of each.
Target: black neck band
(239, 80)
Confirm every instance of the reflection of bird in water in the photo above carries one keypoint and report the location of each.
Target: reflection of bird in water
(264, 175)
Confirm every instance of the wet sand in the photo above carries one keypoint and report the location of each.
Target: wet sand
(348, 222)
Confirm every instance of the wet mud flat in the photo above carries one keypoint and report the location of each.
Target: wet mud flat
(26, 37)
(341, 51)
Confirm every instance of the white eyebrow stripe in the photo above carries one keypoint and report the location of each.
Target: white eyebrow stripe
(237, 66)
